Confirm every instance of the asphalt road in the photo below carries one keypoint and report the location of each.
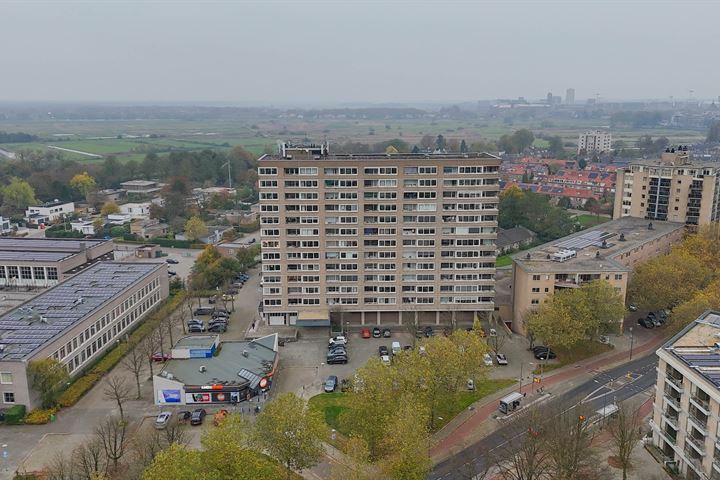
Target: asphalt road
(603, 389)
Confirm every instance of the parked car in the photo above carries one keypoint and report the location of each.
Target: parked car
(227, 297)
(385, 359)
(203, 311)
(171, 261)
(331, 384)
(545, 354)
(198, 415)
(428, 331)
(395, 347)
(337, 351)
(172, 273)
(487, 360)
(195, 320)
(365, 333)
(376, 332)
(651, 315)
(183, 416)
(386, 333)
(632, 307)
(470, 384)
(217, 328)
(331, 359)
(195, 328)
(646, 322)
(383, 350)
(338, 340)
(501, 359)
(221, 311)
(160, 357)
(162, 420)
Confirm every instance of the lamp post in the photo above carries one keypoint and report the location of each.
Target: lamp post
(521, 375)
(632, 338)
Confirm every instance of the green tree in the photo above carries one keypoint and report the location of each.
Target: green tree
(440, 143)
(582, 163)
(47, 377)
(18, 194)
(83, 183)
(177, 462)
(405, 444)
(246, 256)
(290, 432)
(562, 321)
(195, 228)
(357, 465)
(556, 146)
(110, 208)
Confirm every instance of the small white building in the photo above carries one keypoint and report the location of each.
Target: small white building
(5, 225)
(49, 212)
(136, 210)
(86, 227)
(119, 218)
(141, 187)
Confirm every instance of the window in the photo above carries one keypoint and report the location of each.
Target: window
(534, 301)
(9, 397)
(536, 290)
(536, 277)
(618, 276)
(267, 171)
(52, 273)
(6, 378)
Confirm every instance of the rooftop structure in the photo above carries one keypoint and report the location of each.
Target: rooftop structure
(686, 395)
(608, 251)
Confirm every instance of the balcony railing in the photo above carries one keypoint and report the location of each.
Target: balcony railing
(671, 418)
(675, 402)
(698, 422)
(696, 463)
(701, 403)
(696, 443)
(675, 382)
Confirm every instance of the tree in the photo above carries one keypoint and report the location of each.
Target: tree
(83, 183)
(561, 322)
(18, 194)
(195, 228)
(110, 208)
(427, 142)
(463, 146)
(357, 464)
(47, 377)
(405, 444)
(134, 361)
(88, 460)
(177, 462)
(290, 432)
(568, 440)
(626, 432)
(523, 455)
(118, 390)
(555, 146)
(607, 306)
(113, 436)
(582, 163)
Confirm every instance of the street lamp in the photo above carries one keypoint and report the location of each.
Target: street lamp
(632, 338)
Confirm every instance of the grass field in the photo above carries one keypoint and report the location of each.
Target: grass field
(587, 220)
(503, 261)
(581, 351)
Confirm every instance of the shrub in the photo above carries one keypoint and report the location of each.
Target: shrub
(15, 414)
(77, 389)
(40, 416)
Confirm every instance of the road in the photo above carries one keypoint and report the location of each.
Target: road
(603, 389)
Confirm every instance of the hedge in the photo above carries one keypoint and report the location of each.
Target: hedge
(112, 357)
(14, 414)
(40, 416)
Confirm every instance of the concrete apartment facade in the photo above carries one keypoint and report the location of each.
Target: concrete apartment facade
(43, 262)
(49, 212)
(377, 238)
(596, 141)
(75, 322)
(673, 188)
(609, 251)
(685, 422)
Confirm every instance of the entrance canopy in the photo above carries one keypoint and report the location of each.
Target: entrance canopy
(314, 318)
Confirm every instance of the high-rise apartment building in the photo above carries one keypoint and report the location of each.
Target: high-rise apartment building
(594, 141)
(687, 399)
(570, 96)
(673, 188)
(377, 238)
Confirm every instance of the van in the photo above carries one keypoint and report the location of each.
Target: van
(510, 402)
(395, 347)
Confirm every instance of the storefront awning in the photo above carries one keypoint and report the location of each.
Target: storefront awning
(314, 318)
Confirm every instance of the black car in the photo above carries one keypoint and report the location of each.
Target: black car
(386, 333)
(337, 351)
(183, 415)
(646, 322)
(231, 291)
(331, 359)
(198, 415)
(203, 311)
(546, 354)
(651, 315)
(376, 332)
(220, 315)
(171, 261)
(172, 273)
(217, 328)
(383, 350)
(428, 331)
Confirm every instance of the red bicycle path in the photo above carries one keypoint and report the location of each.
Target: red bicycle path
(448, 445)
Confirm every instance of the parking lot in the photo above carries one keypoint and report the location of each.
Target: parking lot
(303, 370)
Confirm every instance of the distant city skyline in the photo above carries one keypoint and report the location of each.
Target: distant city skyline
(319, 52)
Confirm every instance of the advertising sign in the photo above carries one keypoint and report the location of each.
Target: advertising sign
(169, 396)
(212, 397)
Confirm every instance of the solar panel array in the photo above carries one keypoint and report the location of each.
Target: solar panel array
(587, 239)
(29, 256)
(28, 327)
(44, 244)
(707, 364)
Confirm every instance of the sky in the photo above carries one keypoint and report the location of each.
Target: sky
(324, 52)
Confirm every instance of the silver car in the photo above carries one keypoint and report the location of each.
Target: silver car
(162, 420)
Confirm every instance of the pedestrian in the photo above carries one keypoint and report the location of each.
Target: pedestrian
(253, 325)
(264, 395)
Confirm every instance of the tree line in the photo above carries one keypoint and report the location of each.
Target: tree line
(16, 137)
(533, 211)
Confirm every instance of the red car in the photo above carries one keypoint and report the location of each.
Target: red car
(159, 357)
(366, 333)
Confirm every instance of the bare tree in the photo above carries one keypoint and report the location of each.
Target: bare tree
(60, 468)
(523, 456)
(497, 341)
(118, 390)
(626, 432)
(175, 432)
(89, 460)
(113, 436)
(148, 347)
(144, 446)
(134, 361)
(568, 441)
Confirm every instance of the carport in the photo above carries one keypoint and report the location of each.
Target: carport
(313, 318)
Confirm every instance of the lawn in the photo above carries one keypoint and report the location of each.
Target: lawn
(503, 261)
(331, 405)
(588, 220)
(581, 351)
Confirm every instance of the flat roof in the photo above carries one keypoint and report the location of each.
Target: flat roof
(21, 256)
(29, 326)
(379, 156)
(139, 183)
(238, 363)
(696, 346)
(196, 341)
(693, 163)
(620, 235)
(49, 244)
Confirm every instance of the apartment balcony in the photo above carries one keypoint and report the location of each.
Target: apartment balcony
(674, 402)
(697, 443)
(695, 463)
(716, 468)
(676, 383)
(671, 417)
(701, 404)
(667, 436)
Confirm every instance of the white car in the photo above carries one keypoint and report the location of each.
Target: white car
(385, 359)
(487, 360)
(339, 340)
(501, 359)
(162, 420)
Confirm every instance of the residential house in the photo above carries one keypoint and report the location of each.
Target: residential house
(48, 212)
(512, 239)
(149, 228)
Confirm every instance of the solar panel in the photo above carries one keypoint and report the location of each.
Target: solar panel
(587, 239)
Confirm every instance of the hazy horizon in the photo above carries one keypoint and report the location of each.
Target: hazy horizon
(281, 53)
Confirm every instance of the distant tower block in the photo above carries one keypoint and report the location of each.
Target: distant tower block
(570, 96)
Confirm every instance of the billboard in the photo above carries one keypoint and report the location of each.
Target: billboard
(169, 396)
(212, 397)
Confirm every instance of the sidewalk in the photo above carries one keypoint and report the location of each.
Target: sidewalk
(471, 425)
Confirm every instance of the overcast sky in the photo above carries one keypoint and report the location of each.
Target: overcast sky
(277, 52)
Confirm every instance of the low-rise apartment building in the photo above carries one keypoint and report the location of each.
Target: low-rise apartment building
(608, 252)
(674, 188)
(141, 187)
(594, 141)
(75, 322)
(374, 236)
(685, 422)
(48, 212)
